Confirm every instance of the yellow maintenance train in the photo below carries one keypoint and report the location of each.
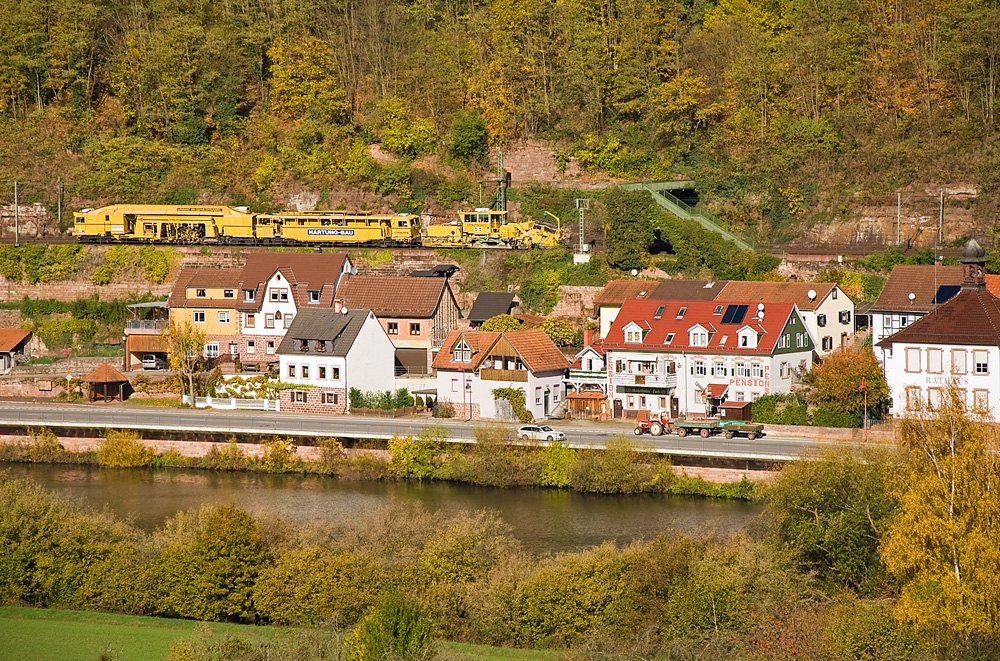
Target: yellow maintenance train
(222, 225)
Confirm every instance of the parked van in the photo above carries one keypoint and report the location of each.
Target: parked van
(151, 361)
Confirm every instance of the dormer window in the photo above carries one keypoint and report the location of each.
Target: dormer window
(302, 345)
(228, 293)
(681, 312)
(747, 338)
(463, 354)
(249, 295)
(699, 337)
(200, 293)
(313, 296)
(320, 345)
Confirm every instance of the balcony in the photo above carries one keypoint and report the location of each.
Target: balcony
(503, 375)
(648, 380)
(145, 326)
(588, 376)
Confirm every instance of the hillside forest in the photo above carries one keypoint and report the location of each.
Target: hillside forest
(785, 112)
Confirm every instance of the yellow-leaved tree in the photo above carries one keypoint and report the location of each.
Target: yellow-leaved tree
(305, 81)
(185, 343)
(944, 547)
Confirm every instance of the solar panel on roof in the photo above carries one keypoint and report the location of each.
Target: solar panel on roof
(945, 292)
(734, 314)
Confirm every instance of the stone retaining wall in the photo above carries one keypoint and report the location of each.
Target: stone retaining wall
(834, 433)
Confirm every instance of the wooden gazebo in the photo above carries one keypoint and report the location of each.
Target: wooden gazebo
(105, 382)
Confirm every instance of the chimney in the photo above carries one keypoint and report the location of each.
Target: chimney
(338, 305)
(588, 336)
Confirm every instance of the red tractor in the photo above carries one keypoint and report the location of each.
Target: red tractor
(651, 422)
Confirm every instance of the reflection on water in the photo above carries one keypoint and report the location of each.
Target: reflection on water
(545, 520)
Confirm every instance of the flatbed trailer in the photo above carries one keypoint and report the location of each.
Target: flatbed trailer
(751, 430)
(705, 428)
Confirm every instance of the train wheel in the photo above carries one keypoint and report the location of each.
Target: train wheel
(704, 433)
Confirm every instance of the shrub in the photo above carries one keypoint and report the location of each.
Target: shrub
(395, 628)
(227, 457)
(444, 410)
(313, 585)
(619, 468)
(123, 449)
(557, 458)
(279, 455)
(210, 563)
(469, 137)
(824, 416)
(42, 445)
(331, 455)
(493, 461)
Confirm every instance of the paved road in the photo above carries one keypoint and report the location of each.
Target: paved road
(579, 433)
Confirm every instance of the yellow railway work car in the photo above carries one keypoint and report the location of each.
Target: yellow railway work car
(319, 227)
(147, 223)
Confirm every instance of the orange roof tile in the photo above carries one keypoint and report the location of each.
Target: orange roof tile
(534, 347)
(11, 337)
(105, 373)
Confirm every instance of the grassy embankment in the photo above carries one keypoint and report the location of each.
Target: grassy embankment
(36, 634)
(623, 467)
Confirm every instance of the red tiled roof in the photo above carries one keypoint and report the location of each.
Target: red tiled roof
(304, 272)
(970, 318)
(777, 292)
(105, 373)
(536, 350)
(394, 296)
(716, 390)
(11, 337)
(701, 313)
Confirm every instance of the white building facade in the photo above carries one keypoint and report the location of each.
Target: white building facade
(686, 357)
(956, 346)
(332, 352)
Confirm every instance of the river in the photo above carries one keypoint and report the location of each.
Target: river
(545, 520)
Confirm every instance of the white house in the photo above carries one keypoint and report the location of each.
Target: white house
(687, 357)
(273, 287)
(824, 308)
(332, 351)
(955, 345)
(471, 364)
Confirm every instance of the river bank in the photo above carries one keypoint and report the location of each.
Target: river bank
(494, 460)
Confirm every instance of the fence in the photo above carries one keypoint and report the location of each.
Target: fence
(235, 403)
(384, 413)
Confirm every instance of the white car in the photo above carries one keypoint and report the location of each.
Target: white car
(539, 433)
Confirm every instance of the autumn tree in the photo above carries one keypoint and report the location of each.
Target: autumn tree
(944, 546)
(304, 80)
(836, 382)
(559, 331)
(501, 323)
(831, 512)
(184, 345)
